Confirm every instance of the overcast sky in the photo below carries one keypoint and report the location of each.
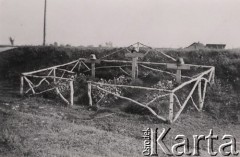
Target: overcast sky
(158, 23)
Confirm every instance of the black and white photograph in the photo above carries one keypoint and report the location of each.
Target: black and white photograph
(119, 78)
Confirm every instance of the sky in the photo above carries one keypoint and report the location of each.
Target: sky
(157, 23)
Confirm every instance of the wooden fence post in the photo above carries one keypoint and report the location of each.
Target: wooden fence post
(79, 66)
(136, 62)
(54, 75)
(71, 92)
(90, 93)
(21, 85)
(213, 76)
(204, 91)
(93, 69)
(179, 76)
(171, 108)
(200, 101)
(134, 67)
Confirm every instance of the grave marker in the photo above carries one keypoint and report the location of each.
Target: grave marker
(93, 60)
(178, 66)
(134, 54)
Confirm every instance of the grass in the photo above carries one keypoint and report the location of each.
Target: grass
(41, 127)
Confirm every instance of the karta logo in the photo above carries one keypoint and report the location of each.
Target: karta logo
(154, 142)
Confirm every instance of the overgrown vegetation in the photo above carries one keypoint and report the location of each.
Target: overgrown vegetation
(16, 61)
(44, 127)
(223, 96)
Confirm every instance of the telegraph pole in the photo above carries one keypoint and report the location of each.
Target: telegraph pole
(44, 23)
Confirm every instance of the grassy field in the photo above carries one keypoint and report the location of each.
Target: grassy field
(42, 127)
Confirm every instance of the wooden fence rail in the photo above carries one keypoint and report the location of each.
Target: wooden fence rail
(52, 77)
(173, 98)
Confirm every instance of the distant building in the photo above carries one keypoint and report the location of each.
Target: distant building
(6, 47)
(216, 46)
(196, 46)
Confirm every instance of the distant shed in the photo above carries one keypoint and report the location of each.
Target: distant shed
(216, 46)
(2, 48)
(196, 46)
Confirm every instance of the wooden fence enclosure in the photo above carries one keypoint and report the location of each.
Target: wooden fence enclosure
(62, 76)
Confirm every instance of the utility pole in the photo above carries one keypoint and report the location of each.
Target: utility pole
(44, 23)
